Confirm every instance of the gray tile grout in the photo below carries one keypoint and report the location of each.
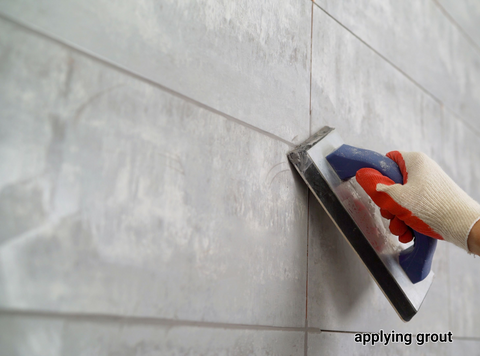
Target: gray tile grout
(311, 71)
(459, 27)
(139, 320)
(136, 320)
(437, 100)
(305, 347)
(142, 320)
(85, 52)
(308, 193)
(466, 338)
(379, 54)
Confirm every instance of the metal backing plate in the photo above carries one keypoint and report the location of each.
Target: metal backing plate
(360, 222)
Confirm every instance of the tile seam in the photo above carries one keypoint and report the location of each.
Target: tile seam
(458, 26)
(306, 282)
(120, 68)
(308, 193)
(139, 320)
(466, 338)
(408, 77)
(311, 71)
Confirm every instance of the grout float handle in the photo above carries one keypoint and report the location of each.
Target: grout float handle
(416, 260)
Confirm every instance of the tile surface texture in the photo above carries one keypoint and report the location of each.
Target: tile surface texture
(126, 200)
(375, 107)
(422, 42)
(223, 54)
(466, 13)
(31, 336)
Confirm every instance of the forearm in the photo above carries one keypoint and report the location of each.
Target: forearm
(474, 239)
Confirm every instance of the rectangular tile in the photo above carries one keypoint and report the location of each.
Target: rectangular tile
(420, 40)
(139, 203)
(250, 60)
(31, 336)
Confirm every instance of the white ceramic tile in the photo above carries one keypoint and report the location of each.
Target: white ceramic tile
(466, 13)
(333, 344)
(420, 40)
(145, 204)
(248, 59)
(27, 336)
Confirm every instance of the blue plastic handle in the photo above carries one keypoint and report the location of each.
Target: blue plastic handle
(416, 261)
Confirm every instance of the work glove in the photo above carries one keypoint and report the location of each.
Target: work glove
(428, 201)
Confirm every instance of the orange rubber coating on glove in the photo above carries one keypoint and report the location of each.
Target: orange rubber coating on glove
(386, 214)
(369, 178)
(397, 226)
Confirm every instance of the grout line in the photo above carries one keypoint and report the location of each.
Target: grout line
(439, 101)
(306, 282)
(319, 331)
(380, 55)
(305, 344)
(305, 347)
(111, 318)
(311, 71)
(459, 27)
(466, 338)
(85, 52)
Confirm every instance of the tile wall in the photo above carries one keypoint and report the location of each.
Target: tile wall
(147, 206)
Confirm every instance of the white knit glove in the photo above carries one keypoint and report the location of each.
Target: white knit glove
(428, 201)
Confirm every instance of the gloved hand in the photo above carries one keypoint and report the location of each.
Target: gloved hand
(428, 201)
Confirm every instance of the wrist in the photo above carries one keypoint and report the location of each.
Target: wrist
(473, 240)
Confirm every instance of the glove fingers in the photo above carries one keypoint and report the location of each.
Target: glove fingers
(406, 237)
(368, 179)
(386, 214)
(397, 226)
(397, 157)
